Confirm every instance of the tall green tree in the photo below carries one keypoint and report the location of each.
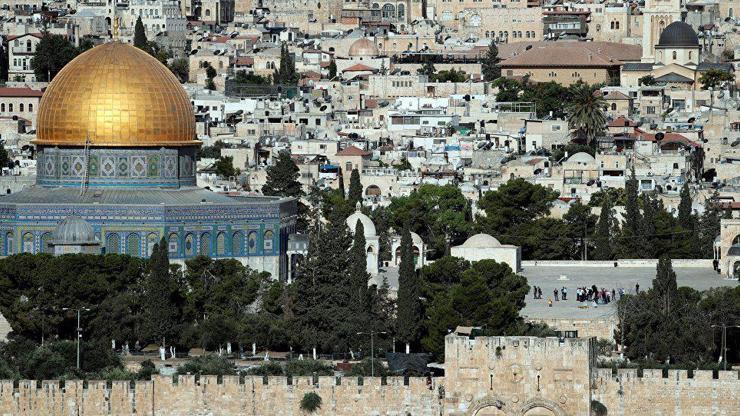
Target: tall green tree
(409, 314)
(427, 68)
(358, 270)
(714, 78)
(52, 53)
(140, 40)
(355, 188)
(286, 73)
(586, 115)
(225, 167)
(491, 65)
(604, 249)
(282, 178)
(513, 203)
(161, 297)
(436, 213)
(210, 75)
(647, 226)
(180, 67)
(710, 226)
(332, 69)
(685, 212)
(631, 238)
(581, 225)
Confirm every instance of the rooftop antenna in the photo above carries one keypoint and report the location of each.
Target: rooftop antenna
(86, 153)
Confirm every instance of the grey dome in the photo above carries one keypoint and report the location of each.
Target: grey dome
(678, 34)
(74, 230)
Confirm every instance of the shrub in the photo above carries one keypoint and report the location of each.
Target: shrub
(207, 365)
(310, 402)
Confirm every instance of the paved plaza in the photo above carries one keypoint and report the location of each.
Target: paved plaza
(548, 278)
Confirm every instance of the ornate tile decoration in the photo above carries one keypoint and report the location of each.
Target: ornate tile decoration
(153, 166)
(108, 167)
(138, 167)
(65, 165)
(78, 166)
(122, 168)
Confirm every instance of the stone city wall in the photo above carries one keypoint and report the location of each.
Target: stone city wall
(213, 396)
(652, 394)
(677, 263)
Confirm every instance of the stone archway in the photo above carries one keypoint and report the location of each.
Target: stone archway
(488, 406)
(541, 407)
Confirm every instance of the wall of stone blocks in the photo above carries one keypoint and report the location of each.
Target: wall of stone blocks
(213, 396)
(626, 394)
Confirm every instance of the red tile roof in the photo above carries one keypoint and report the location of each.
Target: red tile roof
(245, 60)
(622, 121)
(13, 37)
(667, 138)
(20, 92)
(359, 68)
(353, 151)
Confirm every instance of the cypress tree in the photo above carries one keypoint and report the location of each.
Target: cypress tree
(341, 185)
(409, 314)
(355, 187)
(332, 69)
(631, 238)
(140, 40)
(603, 245)
(665, 287)
(358, 270)
(160, 294)
(685, 217)
(647, 230)
(710, 226)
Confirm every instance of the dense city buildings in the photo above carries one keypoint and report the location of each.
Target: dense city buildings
(528, 207)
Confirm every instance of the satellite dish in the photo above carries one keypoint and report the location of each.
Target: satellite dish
(659, 136)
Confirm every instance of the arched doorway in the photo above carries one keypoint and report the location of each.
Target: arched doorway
(372, 190)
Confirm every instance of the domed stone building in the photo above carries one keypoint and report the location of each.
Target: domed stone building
(115, 150)
(486, 247)
(372, 241)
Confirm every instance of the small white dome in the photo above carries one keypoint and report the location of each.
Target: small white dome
(481, 241)
(581, 157)
(367, 223)
(74, 230)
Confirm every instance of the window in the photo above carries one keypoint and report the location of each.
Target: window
(220, 244)
(30, 108)
(2, 108)
(189, 245)
(675, 55)
(614, 106)
(237, 243)
(10, 107)
(21, 107)
(9, 240)
(555, 127)
(650, 109)
(268, 241)
(172, 244)
(348, 167)
(45, 247)
(675, 166)
(133, 242)
(113, 244)
(28, 243)
(151, 241)
(252, 242)
(205, 244)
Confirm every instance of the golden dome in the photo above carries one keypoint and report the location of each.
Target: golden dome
(363, 47)
(117, 95)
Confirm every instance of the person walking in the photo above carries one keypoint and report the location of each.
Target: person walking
(637, 288)
(555, 294)
(564, 293)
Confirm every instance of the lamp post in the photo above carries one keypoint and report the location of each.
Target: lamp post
(79, 330)
(723, 348)
(372, 349)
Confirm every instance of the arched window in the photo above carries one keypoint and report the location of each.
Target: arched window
(10, 107)
(208, 13)
(30, 108)
(268, 241)
(133, 245)
(151, 241)
(45, 246)
(21, 107)
(220, 244)
(172, 244)
(29, 46)
(614, 106)
(675, 55)
(252, 242)
(611, 25)
(113, 243)
(401, 12)
(28, 243)
(189, 245)
(617, 25)
(2, 108)
(389, 11)
(237, 244)
(205, 244)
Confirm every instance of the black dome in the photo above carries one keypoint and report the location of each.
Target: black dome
(678, 34)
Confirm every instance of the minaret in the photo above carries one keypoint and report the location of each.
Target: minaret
(656, 15)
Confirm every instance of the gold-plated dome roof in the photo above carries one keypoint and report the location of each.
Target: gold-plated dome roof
(117, 95)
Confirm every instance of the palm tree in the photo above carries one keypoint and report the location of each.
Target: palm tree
(586, 116)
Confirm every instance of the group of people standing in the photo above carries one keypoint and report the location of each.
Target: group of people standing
(601, 296)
